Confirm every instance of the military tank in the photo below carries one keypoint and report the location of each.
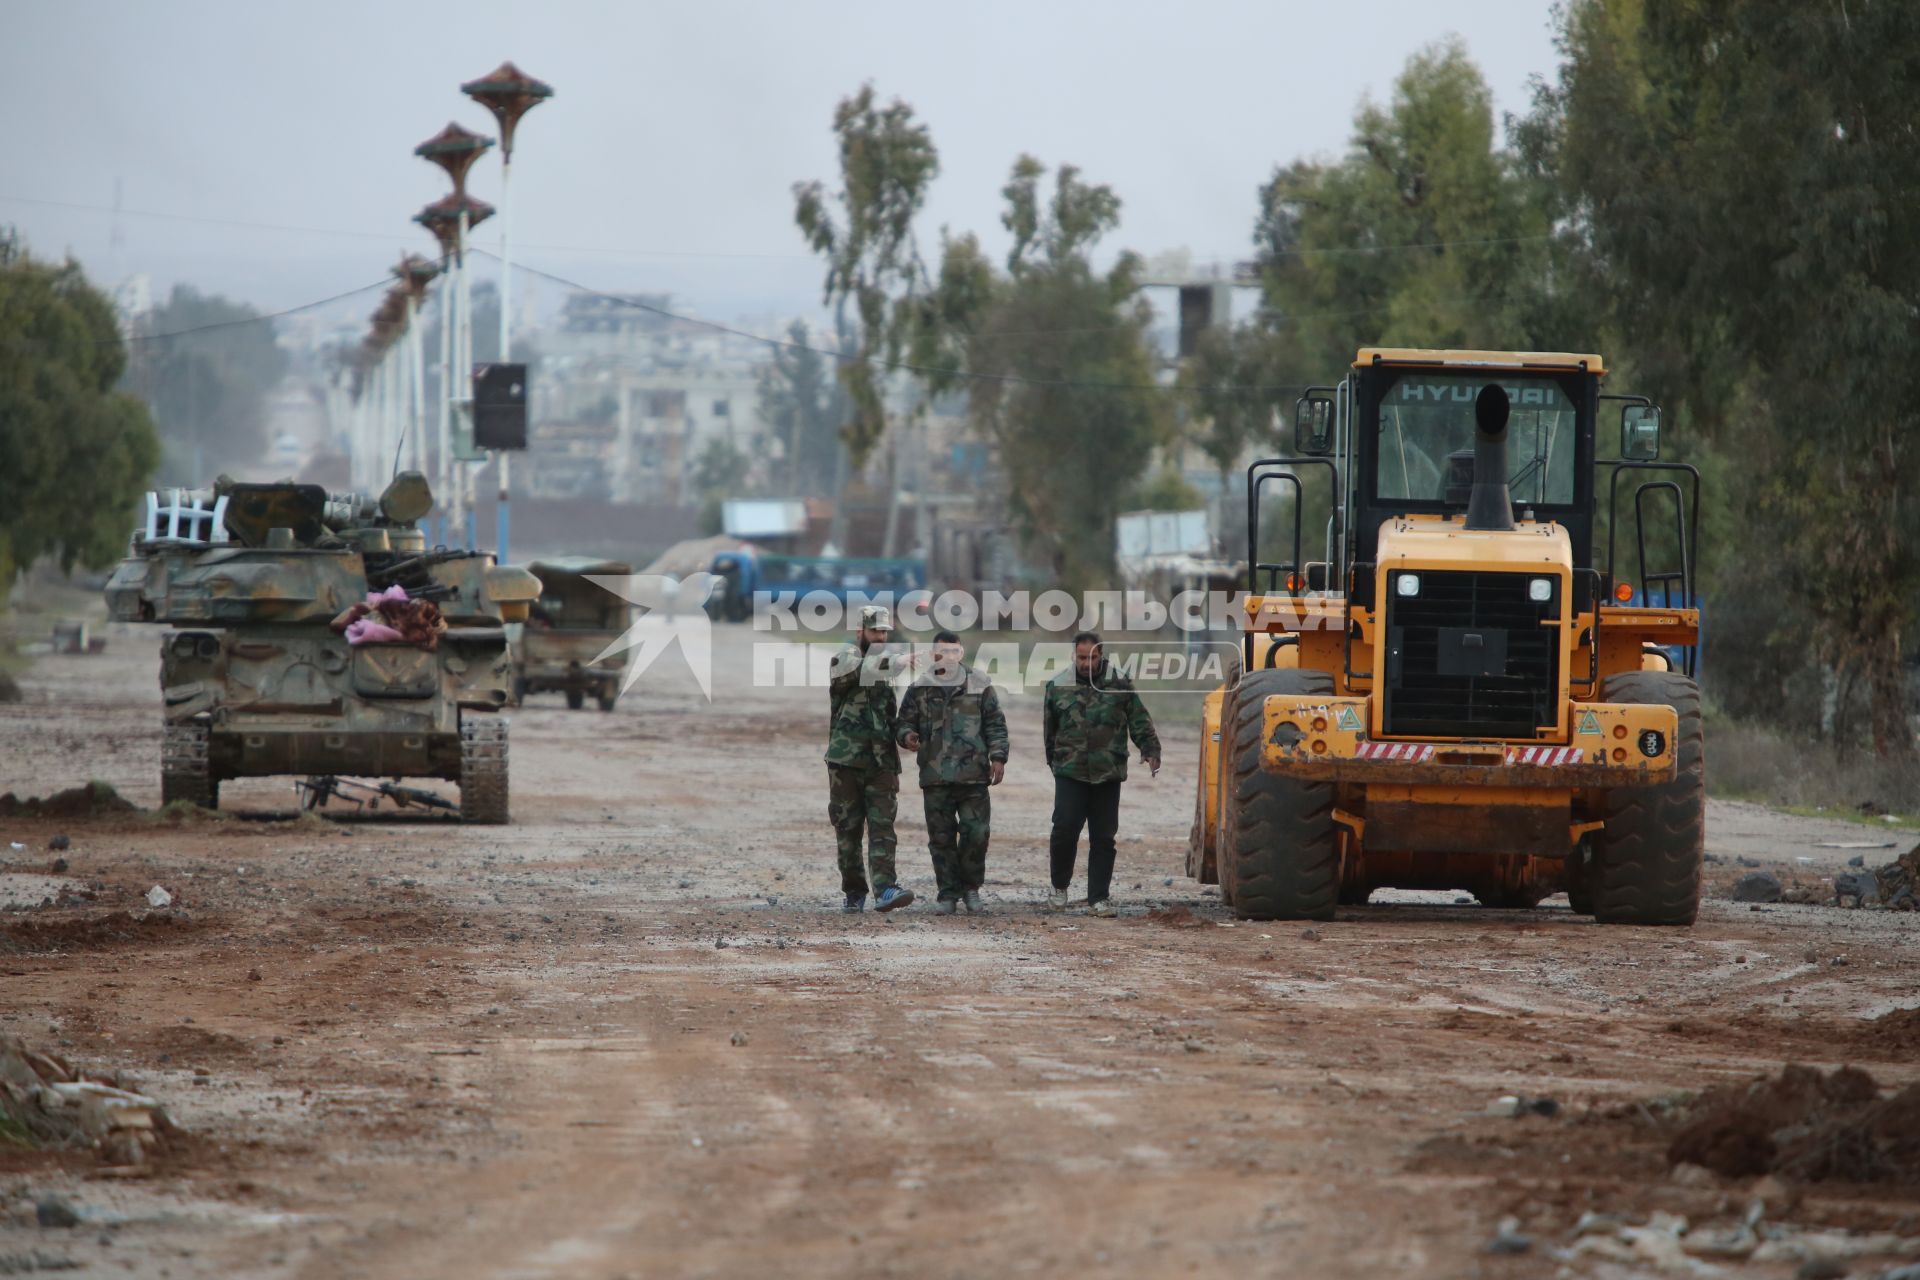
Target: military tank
(575, 620)
(263, 674)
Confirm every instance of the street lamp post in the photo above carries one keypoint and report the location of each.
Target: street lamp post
(445, 227)
(455, 149)
(509, 93)
(415, 274)
(388, 324)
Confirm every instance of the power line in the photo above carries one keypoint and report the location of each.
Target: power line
(239, 322)
(376, 235)
(845, 357)
(267, 318)
(626, 251)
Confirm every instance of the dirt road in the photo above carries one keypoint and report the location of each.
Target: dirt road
(631, 1034)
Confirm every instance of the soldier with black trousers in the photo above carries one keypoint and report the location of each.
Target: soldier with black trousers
(1090, 713)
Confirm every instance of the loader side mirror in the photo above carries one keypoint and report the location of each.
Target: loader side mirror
(1313, 426)
(1640, 432)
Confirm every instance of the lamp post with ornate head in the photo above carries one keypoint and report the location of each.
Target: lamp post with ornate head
(415, 274)
(455, 149)
(509, 93)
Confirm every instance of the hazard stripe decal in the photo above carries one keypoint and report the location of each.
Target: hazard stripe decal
(1420, 752)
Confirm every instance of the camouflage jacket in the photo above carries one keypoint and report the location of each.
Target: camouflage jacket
(961, 727)
(860, 730)
(1087, 725)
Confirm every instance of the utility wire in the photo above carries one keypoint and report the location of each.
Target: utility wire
(137, 339)
(847, 357)
(1213, 260)
(377, 235)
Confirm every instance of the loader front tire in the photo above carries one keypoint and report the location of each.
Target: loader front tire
(1278, 849)
(1646, 861)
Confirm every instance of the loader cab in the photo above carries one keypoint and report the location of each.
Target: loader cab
(1410, 445)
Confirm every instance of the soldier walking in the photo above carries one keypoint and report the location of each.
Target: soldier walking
(863, 764)
(1090, 713)
(951, 716)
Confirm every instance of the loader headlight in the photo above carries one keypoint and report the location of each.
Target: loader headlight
(1407, 584)
(1540, 589)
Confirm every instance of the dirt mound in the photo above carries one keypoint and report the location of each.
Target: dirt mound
(1897, 1030)
(94, 800)
(119, 928)
(1802, 1124)
(1174, 918)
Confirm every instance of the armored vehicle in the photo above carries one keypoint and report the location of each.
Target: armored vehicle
(262, 674)
(570, 626)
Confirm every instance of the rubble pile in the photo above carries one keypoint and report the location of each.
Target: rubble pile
(1897, 884)
(96, 799)
(45, 1102)
(1807, 1126)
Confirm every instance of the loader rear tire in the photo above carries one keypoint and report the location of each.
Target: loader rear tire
(1279, 849)
(1646, 861)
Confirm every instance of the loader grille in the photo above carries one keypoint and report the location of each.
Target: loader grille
(1457, 620)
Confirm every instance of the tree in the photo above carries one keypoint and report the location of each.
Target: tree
(719, 473)
(1745, 168)
(206, 371)
(804, 406)
(865, 232)
(1231, 385)
(78, 452)
(1166, 490)
(1055, 358)
(1428, 233)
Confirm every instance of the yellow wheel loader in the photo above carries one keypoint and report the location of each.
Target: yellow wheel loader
(1461, 692)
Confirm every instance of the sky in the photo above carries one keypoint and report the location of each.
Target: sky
(277, 140)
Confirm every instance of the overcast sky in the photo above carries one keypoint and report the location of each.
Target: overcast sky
(667, 157)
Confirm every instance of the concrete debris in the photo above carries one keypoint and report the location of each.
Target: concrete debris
(1507, 1239)
(47, 1103)
(1657, 1244)
(158, 897)
(1832, 1246)
(1856, 890)
(1899, 882)
(1758, 886)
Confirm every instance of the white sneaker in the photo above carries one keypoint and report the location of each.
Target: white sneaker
(1104, 909)
(1057, 900)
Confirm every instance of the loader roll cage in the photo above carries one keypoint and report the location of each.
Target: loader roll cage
(1295, 579)
(1672, 587)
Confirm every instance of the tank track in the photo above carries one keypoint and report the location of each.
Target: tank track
(483, 769)
(185, 773)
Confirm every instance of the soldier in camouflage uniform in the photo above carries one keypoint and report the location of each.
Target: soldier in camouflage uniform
(863, 764)
(951, 717)
(1090, 713)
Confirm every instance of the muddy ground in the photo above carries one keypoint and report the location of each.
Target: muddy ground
(632, 1035)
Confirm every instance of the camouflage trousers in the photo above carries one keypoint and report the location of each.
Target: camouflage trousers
(959, 817)
(863, 800)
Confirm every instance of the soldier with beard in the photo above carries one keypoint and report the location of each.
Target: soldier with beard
(863, 763)
(951, 716)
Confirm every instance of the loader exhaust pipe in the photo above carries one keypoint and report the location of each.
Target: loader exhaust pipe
(1489, 506)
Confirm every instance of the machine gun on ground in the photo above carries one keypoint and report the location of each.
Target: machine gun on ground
(315, 792)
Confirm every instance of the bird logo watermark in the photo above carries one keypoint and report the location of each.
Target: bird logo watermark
(667, 611)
